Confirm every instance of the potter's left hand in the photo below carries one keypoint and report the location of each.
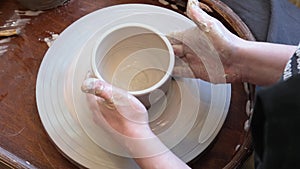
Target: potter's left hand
(206, 51)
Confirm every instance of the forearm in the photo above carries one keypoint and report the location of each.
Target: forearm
(150, 153)
(166, 160)
(262, 63)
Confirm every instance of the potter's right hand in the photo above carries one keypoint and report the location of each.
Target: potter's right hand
(115, 109)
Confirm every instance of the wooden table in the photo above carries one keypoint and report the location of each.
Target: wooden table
(23, 141)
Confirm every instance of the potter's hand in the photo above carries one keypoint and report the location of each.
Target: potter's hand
(115, 109)
(206, 51)
(119, 112)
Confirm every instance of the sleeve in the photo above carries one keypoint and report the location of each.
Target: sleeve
(292, 68)
(276, 121)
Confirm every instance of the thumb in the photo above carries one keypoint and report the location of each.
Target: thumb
(119, 98)
(97, 87)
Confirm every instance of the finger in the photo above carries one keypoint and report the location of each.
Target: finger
(201, 18)
(175, 38)
(183, 72)
(100, 90)
(180, 62)
(178, 50)
(108, 105)
(92, 101)
(112, 97)
(182, 69)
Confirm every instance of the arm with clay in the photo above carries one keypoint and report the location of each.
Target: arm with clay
(260, 63)
(126, 119)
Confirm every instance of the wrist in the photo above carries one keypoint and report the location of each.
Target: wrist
(138, 131)
(234, 61)
(141, 142)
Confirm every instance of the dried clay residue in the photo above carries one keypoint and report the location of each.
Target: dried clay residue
(3, 45)
(28, 13)
(17, 21)
(13, 26)
(3, 49)
(50, 39)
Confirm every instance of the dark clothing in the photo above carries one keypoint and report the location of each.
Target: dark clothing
(276, 125)
(269, 20)
(276, 119)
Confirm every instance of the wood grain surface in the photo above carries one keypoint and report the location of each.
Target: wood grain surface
(23, 141)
